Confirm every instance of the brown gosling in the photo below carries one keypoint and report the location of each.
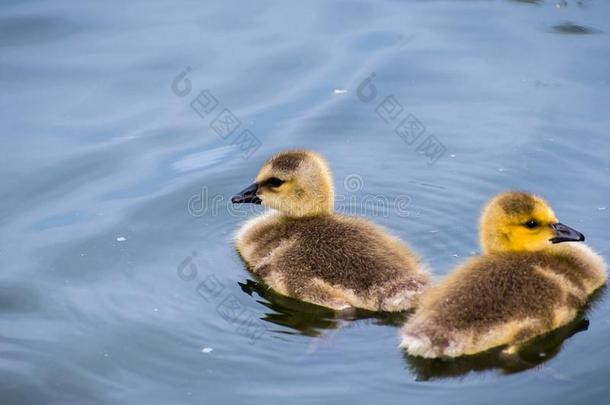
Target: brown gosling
(523, 285)
(302, 249)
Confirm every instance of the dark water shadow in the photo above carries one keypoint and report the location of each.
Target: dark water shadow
(30, 30)
(17, 298)
(536, 352)
(302, 318)
(570, 28)
(534, 2)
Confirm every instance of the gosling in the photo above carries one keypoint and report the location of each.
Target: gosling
(523, 285)
(304, 250)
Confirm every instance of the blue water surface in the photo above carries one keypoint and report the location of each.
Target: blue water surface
(127, 126)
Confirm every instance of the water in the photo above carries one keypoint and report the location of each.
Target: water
(119, 280)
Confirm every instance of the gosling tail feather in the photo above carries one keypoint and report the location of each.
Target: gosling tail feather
(417, 342)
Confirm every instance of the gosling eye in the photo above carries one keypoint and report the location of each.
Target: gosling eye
(274, 182)
(531, 224)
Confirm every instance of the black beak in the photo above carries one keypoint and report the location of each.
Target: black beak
(564, 233)
(247, 195)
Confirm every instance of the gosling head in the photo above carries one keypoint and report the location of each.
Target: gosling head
(517, 221)
(296, 183)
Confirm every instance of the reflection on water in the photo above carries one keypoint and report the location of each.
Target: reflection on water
(294, 316)
(530, 355)
(312, 320)
(535, 353)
